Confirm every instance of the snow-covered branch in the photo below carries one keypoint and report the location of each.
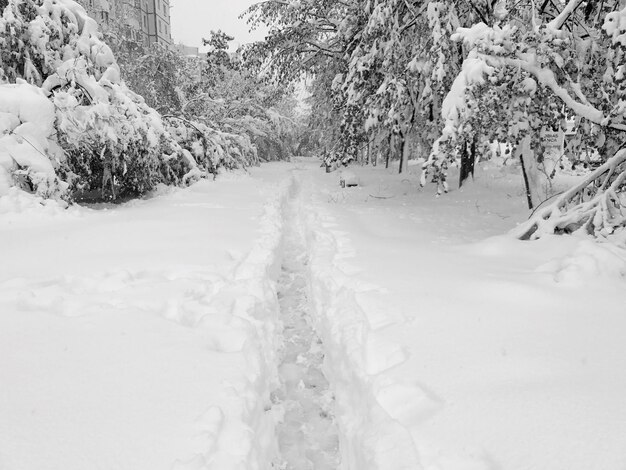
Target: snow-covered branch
(546, 78)
(561, 18)
(600, 214)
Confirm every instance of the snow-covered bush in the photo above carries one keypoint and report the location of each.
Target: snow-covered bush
(211, 148)
(91, 114)
(29, 154)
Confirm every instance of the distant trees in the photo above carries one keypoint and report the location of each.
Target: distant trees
(445, 78)
(380, 68)
(240, 115)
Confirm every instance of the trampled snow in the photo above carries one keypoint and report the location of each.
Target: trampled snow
(148, 335)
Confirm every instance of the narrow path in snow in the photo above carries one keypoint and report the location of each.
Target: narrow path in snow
(307, 434)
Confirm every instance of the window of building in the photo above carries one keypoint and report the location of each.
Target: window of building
(160, 30)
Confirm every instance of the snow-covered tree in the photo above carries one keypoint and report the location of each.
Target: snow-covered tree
(379, 67)
(452, 76)
(304, 39)
(98, 124)
(531, 69)
(238, 100)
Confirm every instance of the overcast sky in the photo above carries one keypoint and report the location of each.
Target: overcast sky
(194, 19)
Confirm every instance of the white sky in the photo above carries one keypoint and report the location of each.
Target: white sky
(194, 19)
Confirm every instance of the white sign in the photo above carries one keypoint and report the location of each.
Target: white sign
(552, 142)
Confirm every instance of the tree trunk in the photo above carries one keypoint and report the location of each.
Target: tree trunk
(402, 143)
(389, 150)
(404, 157)
(468, 159)
(530, 172)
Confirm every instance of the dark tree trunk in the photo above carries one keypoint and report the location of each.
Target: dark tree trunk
(468, 159)
(529, 196)
(389, 150)
(401, 144)
(404, 154)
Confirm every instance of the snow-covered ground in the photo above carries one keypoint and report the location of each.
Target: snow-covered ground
(467, 352)
(150, 335)
(138, 336)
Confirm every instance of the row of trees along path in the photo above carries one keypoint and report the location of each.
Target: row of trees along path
(446, 79)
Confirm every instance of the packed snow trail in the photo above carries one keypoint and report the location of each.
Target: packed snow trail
(307, 434)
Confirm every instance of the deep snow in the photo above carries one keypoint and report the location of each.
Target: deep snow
(149, 335)
(484, 353)
(128, 335)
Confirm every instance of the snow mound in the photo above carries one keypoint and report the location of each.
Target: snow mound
(16, 201)
(348, 178)
(591, 261)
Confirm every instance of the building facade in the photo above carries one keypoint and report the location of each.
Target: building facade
(145, 21)
(159, 27)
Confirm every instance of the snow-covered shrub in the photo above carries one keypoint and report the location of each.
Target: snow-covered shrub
(29, 154)
(210, 147)
(55, 46)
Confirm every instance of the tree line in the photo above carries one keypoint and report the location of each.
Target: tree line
(447, 80)
(127, 116)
